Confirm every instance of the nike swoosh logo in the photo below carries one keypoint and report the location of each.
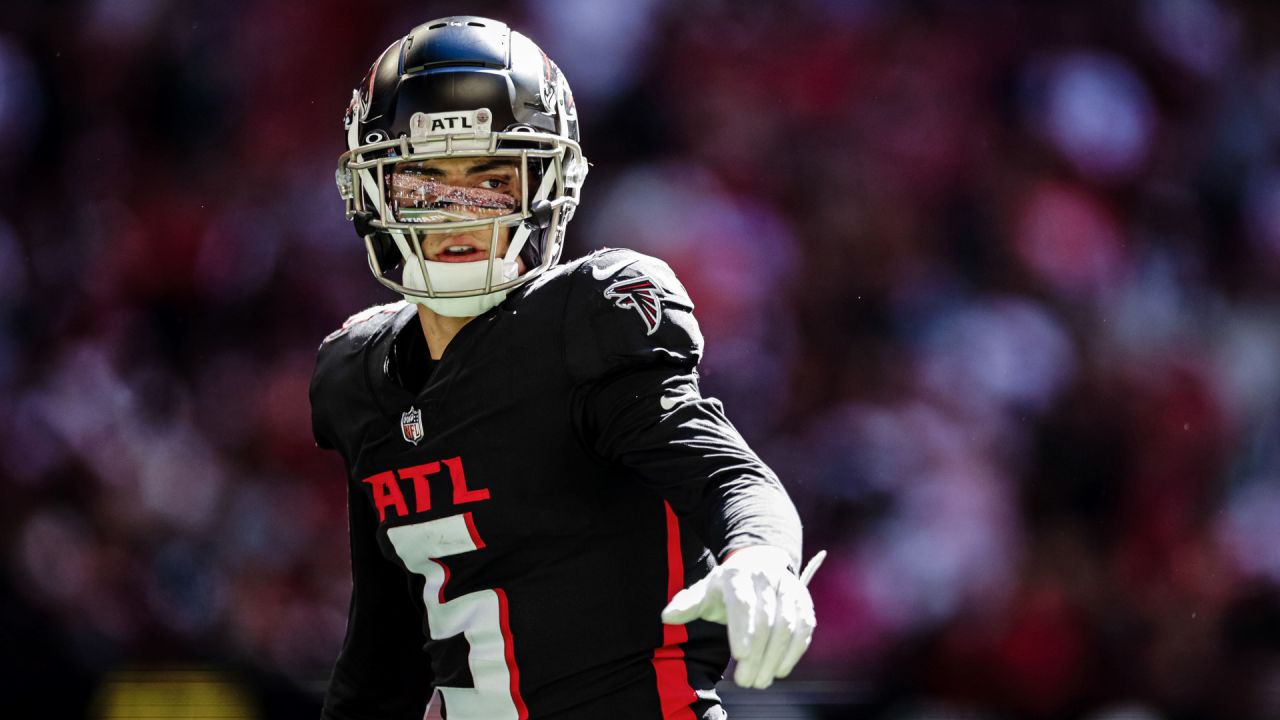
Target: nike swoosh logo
(608, 271)
(669, 402)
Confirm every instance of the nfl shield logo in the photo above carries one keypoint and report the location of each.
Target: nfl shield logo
(411, 425)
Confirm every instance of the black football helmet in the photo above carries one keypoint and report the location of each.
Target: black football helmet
(461, 87)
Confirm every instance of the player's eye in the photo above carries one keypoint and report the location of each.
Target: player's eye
(494, 183)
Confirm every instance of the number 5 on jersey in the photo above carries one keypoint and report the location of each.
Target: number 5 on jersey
(481, 616)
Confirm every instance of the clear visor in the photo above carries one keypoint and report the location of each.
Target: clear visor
(414, 198)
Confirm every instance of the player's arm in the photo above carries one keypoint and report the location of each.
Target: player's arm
(639, 406)
(692, 455)
(654, 421)
(381, 671)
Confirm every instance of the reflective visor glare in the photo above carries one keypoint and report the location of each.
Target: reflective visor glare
(416, 198)
(372, 165)
(414, 190)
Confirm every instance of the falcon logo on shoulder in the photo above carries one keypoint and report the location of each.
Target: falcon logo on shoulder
(411, 425)
(641, 294)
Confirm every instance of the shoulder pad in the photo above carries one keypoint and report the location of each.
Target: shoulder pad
(628, 309)
(365, 323)
(339, 383)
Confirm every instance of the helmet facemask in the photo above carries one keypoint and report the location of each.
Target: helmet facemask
(402, 211)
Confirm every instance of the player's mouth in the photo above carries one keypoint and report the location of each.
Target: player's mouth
(460, 249)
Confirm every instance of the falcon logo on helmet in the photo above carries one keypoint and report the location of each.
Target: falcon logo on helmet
(547, 85)
(641, 294)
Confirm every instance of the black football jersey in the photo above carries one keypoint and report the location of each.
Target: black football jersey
(524, 512)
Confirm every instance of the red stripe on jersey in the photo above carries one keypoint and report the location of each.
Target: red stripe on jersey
(446, 577)
(510, 651)
(675, 695)
(471, 528)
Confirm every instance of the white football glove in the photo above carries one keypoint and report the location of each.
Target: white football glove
(767, 608)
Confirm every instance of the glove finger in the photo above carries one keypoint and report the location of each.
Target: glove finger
(801, 638)
(766, 612)
(811, 568)
(785, 625)
(740, 610)
(686, 605)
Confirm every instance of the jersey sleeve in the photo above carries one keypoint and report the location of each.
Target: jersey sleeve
(628, 310)
(638, 405)
(321, 429)
(382, 671)
(339, 387)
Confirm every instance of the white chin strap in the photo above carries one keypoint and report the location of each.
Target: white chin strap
(449, 277)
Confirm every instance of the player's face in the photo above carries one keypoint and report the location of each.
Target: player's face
(457, 189)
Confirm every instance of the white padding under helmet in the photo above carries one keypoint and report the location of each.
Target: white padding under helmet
(448, 277)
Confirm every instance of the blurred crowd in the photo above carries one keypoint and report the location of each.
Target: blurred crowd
(992, 284)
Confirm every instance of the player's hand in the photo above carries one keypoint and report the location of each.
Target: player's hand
(767, 608)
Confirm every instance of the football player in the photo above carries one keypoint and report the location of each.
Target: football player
(533, 475)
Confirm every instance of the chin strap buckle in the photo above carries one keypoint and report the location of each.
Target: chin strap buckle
(540, 214)
(362, 221)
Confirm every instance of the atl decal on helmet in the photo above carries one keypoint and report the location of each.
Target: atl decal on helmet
(641, 294)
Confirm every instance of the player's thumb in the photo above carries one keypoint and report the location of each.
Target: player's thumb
(686, 606)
